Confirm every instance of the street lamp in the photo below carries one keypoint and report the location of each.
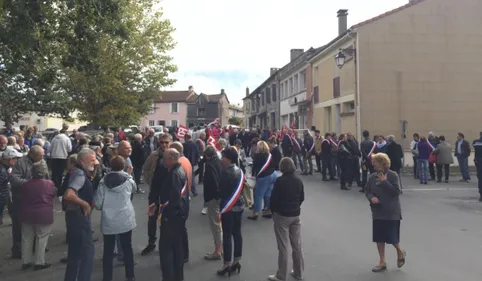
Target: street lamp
(344, 55)
(340, 59)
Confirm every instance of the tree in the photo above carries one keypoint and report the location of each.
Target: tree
(235, 121)
(29, 60)
(125, 71)
(106, 59)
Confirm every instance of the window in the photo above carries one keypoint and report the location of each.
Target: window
(268, 95)
(262, 99)
(295, 84)
(316, 95)
(273, 92)
(336, 87)
(281, 90)
(303, 80)
(349, 107)
(153, 109)
(174, 107)
(290, 87)
(201, 112)
(235, 113)
(151, 123)
(174, 123)
(161, 123)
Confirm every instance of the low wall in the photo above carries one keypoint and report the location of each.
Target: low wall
(408, 160)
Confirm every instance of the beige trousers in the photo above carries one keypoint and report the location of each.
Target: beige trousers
(247, 194)
(288, 233)
(214, 221)
(41, 235)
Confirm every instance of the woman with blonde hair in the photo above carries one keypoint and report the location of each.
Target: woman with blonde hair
(382, 191)
(265, 177)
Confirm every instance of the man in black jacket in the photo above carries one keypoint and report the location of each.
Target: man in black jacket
(353, 160)
(212, 175)
(137, 158)
(308, 151)
(174, 207)
(326, 155)
(367, 147)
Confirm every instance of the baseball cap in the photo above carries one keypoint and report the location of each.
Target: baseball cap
(11, 153)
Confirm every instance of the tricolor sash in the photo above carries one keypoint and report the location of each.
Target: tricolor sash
(431, 146)
(312, 146)
(334, 143)
(163, 206)
(266, 165)
(235, 196)
(297, 145)
(372, 150)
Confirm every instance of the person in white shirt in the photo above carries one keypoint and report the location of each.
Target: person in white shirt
(59, 151)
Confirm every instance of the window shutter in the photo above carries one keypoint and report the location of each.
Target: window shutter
(170, 108)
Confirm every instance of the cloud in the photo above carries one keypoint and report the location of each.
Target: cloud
(232, 44)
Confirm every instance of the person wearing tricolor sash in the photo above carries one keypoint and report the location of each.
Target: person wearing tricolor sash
(231, 210)
(367, 148)
(173, 205)
(265, 176)
(287, 143)
(326, 158)
(308, 151)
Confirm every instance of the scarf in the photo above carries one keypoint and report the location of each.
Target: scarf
(380, 145)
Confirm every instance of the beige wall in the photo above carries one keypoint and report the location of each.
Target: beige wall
(326, 117)
(423, 64)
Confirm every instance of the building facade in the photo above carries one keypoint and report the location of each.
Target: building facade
(411, 70)
(295, 89)
(264, 103)
(169, 109)
(44, 122)
(236, 111)
(202, 109)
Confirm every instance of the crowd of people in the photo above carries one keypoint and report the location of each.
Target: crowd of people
(106, 171)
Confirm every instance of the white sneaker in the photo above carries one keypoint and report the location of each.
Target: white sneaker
(204, 211)
(274, 278)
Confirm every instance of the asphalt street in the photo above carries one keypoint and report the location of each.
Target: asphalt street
(441, 233)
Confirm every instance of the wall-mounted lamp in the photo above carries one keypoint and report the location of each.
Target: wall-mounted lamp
(341, 57)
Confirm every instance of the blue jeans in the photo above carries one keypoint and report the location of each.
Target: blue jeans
(422, 170)
(80, 247)
(263, 189)
(296, 159)
(464, 167)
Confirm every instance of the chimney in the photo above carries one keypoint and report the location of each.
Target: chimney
(294, 53)
(247, 91)
(342, 15)
(222, 91)
(191, 89)
(273, 70)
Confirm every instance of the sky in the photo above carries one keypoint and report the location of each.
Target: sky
(232, 44)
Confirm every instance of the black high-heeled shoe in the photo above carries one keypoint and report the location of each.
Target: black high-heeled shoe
(224, 270)
(236, 267)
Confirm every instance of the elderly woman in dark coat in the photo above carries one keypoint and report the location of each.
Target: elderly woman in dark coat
(383, 191)
(286, 199)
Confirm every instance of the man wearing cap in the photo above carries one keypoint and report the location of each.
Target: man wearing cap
(21, 173)
(8, 160)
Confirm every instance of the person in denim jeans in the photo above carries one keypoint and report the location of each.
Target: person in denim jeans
(424, 151)
(265, 178)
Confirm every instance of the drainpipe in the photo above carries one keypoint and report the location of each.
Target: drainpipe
(357, 70)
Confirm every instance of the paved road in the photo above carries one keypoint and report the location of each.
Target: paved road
(441, 232)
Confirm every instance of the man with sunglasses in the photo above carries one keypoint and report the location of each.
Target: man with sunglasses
(154, 175)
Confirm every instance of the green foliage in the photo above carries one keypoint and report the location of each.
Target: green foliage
(107, 59)
(235, 121)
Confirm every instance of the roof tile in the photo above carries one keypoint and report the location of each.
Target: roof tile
(415, 2)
